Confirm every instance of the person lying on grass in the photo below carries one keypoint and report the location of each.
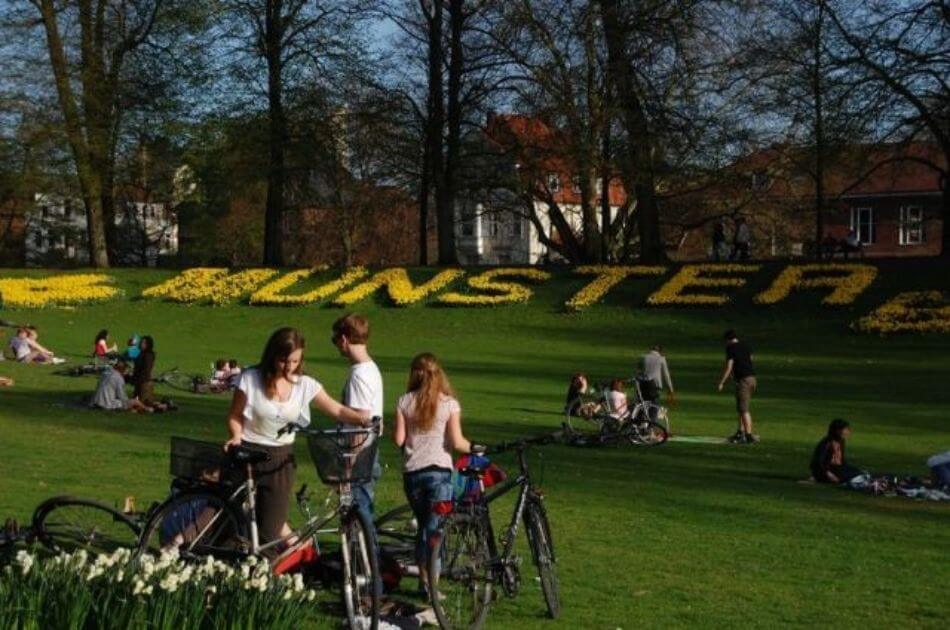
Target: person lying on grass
(828, 462)
(110, 392)
(6, 381)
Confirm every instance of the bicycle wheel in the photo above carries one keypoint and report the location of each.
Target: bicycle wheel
(66, 524)
(647, 433)
(396, 534)
(177, 380)
(197, 524)
(542, 550)
(460, 575)
(361, 579)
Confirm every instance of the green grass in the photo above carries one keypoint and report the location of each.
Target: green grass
(682, 535)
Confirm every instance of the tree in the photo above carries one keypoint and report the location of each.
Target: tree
(291, 41)
(555, 50)
(901, 48)
(820, 109)
(96, 51)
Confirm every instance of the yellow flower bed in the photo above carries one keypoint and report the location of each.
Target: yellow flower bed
(398, 286)
(503, 292)
(210, 285)
(607, 277)
(56, 290)
(915, 311)
(692, 277)
(270, 294)
(846, 287)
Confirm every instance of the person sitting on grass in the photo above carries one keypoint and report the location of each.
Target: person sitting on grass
(142, 375)
(828, 462)
(110, 392)
(575, 392)
(617, 398)
(221, 375)
(132, 350)
(26, 349)
(102, 351)
(428, 428)
(234, 373)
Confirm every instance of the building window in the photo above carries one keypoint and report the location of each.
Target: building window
(494, 227)
(517, 227)
(862, 222)
(554, 182)
(912, 225)
(599, 186)
(468, 219)
(760, 181)
(576, 184)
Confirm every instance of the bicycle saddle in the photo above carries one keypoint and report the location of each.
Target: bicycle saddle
(244, 455)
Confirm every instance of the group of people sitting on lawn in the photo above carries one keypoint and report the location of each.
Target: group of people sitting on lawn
(134, 366)
(225, 375)
(830, 465)
(24, 347)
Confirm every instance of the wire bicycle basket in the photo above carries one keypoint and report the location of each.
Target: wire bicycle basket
(343, 457)
(204, 462)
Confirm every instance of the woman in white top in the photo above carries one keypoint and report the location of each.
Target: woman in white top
(267, 398)
(428, 428)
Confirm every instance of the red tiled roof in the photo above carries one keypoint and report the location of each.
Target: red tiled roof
(539, 145)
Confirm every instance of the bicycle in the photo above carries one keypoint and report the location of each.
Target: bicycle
(466, 565)
(214, 511)
(645, 424)
(191, 383)
(66, 524)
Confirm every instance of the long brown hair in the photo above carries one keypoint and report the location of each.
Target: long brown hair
(429, 382)
(282, 343)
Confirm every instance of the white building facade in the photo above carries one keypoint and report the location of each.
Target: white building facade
(56, 232)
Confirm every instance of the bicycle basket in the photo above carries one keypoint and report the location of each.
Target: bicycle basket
(344, 457)
(205, 462)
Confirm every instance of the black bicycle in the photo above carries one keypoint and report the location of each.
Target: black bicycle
(66, 524)
(466, 565)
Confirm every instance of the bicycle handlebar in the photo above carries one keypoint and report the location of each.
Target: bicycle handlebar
(522, 443)
(293, 427)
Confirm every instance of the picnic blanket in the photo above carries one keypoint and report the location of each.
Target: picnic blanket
(890, 485)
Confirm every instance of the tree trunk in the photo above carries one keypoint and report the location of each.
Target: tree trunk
(945, 216)
(80, 129)
(639, 170)
(276, 137)
(591, 227)
(446, 193)
(436, 125)
(424, 208)
(819, 137)
(605, 218)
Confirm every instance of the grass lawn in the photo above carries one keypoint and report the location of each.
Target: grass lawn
(682, 535)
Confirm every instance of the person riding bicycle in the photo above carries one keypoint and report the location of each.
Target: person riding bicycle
(428, 428)
(270, 396)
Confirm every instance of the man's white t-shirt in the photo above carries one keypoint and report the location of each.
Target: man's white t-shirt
(364, 389)
(264, 417)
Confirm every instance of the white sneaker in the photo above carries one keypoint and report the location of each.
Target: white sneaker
(57, 360)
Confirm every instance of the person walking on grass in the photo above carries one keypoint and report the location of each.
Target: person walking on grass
(363, 391)
(428, 428)
(739, 365)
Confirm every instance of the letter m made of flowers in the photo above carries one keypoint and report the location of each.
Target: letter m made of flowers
(210, 285)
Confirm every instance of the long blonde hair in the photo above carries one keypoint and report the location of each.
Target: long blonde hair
(429, 382)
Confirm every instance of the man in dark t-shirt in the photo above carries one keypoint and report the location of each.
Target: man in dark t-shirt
(739, 366)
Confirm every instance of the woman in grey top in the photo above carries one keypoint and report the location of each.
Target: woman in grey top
(428, 428)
